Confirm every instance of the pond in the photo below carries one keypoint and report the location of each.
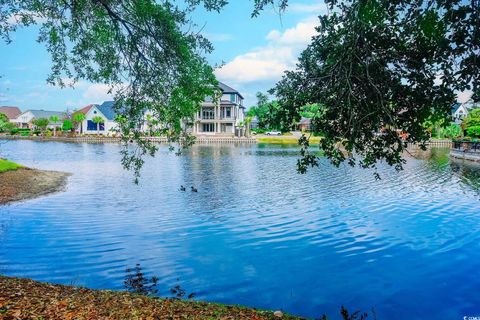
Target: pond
(256, 233)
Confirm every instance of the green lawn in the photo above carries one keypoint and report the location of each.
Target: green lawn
(6, 165)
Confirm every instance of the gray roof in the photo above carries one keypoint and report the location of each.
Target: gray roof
(227, 89)
(304, 120)
(46, 114)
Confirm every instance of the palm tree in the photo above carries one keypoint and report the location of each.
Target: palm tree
(54, 119)
(78, 119)
(248, 120)
(98, 120)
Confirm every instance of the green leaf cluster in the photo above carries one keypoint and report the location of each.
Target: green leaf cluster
(472, 123)
(375, 67)
(5, 124)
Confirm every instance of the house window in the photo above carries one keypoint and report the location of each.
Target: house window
(228, 112)
(92, 126)
(227, 128)
(208, 127)
(232, 97)
(208, 113)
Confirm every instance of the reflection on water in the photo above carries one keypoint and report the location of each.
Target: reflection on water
(256, 232)
(438, 160)
(468, 172)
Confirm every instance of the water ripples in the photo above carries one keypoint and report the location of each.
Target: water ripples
(256, 233)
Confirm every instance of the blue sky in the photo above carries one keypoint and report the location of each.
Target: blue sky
(254, 53)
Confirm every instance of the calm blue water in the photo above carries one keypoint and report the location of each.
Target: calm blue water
(257, 233)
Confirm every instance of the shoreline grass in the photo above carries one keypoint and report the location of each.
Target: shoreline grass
(6, 165)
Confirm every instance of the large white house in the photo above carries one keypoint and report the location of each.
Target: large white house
(105, 111)
(221, 115)
(25, 120)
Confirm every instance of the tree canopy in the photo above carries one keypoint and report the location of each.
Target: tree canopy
(471, 123)
(41, 123)
(381, 68)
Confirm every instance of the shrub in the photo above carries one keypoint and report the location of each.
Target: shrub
(473, 131)
(67, 125)
(259, 130)
(452, 131)
(14, 131)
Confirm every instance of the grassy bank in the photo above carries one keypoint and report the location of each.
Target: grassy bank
(285, 140)
(6, 165)
(28, 299)
(19, 183)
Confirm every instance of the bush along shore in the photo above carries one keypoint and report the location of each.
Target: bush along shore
(21, 183)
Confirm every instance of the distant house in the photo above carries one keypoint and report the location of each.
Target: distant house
(305, 124)
(106, 111)
(11, 112)
(84, 111)
(25, 120)
(222, 115)
(461, 110)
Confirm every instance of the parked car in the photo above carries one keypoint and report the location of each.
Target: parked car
(273, 133)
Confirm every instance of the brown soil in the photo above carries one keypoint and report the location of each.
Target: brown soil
(28, 299)
(27, 183)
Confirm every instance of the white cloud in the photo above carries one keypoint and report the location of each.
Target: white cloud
(88, 93)
(96, 93)
(270, 61)
(317, 7)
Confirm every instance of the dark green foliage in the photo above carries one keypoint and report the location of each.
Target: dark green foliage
(67, 125)
(179, 293)
(451, 131)
(135, 281)
(5, 124)
(269, 114)
(308, 159)
(357, 315)
(472, 123)
(374, 67)
(3, 118)
(474, 131)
